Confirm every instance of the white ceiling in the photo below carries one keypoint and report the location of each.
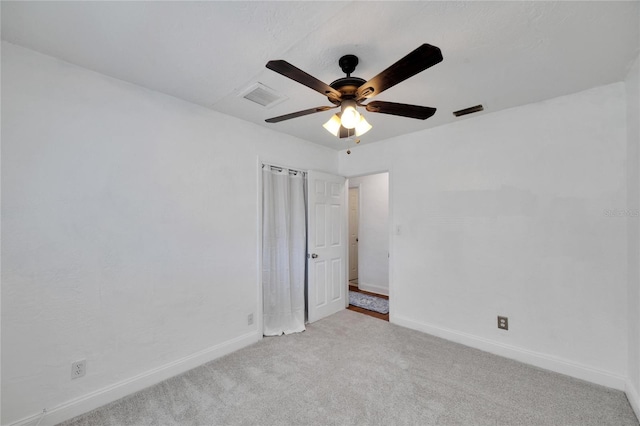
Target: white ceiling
(499, 54)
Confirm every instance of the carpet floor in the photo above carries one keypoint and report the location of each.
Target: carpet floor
(351, 369)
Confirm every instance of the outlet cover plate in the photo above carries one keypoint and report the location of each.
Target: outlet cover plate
(78, 369)
(503, 323)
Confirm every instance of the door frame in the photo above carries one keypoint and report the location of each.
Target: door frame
(358, 230)
(391, 231)
(259, 311)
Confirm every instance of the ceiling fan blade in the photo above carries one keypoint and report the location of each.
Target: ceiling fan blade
(404, 110)
(296, 74)
(299, 114)
(417, 61)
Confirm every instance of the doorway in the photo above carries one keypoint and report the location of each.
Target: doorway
(354, 214)
(369, 241)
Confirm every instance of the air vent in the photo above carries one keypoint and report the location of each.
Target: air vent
(263, 95)
(469, 110)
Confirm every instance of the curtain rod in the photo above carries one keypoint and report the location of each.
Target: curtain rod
(278, 168)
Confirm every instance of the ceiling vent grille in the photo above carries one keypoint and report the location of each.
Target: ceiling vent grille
(469, 110)
(263, 95)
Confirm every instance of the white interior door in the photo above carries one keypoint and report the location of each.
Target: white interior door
(327, 244)
(354, 196)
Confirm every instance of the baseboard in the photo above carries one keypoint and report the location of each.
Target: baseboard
(633, 397)
(548, 362)
(373, 288)
(121, 389)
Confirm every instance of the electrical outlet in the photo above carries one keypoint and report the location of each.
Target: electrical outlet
(503, 323)
(78, 369)
(250, 319)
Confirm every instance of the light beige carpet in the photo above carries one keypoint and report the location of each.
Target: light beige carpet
(351, 369)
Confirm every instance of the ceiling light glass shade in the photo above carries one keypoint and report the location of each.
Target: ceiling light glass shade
(333, 125)
(350, 117)
(363, 126)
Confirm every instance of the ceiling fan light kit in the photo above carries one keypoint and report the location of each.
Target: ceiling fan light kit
(363, 126)
(350, 115)
(334, 126)
(348, 92)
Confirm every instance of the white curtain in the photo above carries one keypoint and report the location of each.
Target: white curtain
(283, 251)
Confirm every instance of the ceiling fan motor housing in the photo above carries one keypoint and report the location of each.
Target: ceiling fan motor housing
(348, 85)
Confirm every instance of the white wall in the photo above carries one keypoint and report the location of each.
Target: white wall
(373, 232)
(129, 234)
(504, 214)
(129, 231)
(633, 231)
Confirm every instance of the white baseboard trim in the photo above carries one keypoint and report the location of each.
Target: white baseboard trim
(373, 288)
(633, 397)
(548, 362)
(118, 390)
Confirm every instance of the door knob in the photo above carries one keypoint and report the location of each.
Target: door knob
(313, 255)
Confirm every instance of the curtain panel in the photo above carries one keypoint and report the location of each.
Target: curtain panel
(283, 251)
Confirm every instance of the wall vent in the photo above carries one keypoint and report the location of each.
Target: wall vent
(469, 110)
(263, 95)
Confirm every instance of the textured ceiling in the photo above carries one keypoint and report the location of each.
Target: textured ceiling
(499, 54)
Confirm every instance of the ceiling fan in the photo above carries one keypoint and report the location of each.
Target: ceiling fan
(350, 92)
